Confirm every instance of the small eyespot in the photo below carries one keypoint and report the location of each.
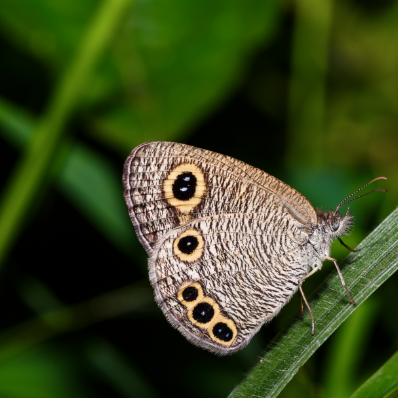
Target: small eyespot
(203, 312)
(222, 331)
(190, 293)
(188, 244)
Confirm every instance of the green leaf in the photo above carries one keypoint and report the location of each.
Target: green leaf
(63, 319)
(41, 373)
(38, 158)
(382, 383)
(347, 348)
(172, 60)
(363, 272)
(123, 375)
(86, 178)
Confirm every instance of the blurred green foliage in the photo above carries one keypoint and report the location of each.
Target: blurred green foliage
(305, 90)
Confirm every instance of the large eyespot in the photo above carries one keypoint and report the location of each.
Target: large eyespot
(190, 293)
(188, 246)
(184, 187)
(204, 312)
(335, 223)
(223, 331)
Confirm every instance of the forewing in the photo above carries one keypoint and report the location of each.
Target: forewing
(243, 268)
(154, 173)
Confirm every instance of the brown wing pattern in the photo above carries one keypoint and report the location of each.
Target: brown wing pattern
(243, 269)
(223, 185)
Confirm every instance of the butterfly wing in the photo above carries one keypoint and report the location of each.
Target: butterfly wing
(218, 279)
(168, 184)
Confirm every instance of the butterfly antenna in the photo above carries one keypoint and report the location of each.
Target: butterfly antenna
(345, 201)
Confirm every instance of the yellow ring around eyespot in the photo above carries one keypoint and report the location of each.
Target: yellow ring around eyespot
(190, 304)
(216, 309)
(185, 206)
(196, 254)
(229, 323)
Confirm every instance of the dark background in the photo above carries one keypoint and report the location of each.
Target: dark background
(304, 91)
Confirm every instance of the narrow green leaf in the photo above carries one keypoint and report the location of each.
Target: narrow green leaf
(120, 373)
(43, 372)
(172, 61)
(86, 178)
(63, 319)
(363, 272)
(37, 160)
(382, 383)
(347, 349)
(310, 55)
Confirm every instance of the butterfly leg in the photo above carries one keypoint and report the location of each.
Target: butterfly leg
(341, 279)
(302, 306)
(302, 295)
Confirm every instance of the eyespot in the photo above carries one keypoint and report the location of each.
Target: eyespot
(189, 294)
(223, 332)
(185, 187)
(204, 312)
(188, 246)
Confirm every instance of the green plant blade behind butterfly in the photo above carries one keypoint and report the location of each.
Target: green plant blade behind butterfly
(382, 383)
(101, 200)
(363, 272)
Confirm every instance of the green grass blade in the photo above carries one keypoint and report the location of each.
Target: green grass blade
(310, 56)
(382, 383)
(37, 160)
(363, 272)
(63, 319)
(118, 371)
(86, 178)
(347, 348)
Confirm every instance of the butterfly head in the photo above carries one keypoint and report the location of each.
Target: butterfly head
(340, 225)
(335, 222)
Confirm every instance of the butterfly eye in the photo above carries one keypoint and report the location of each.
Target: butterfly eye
(335, 223)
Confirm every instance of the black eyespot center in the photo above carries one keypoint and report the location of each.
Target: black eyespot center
(203, 312)
(184, 186)
(188, 244)
(190, 293)
(223, 332)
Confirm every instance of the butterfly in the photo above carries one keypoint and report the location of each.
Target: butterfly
(228, 244)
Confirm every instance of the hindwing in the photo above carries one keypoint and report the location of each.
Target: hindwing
(218, 279)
